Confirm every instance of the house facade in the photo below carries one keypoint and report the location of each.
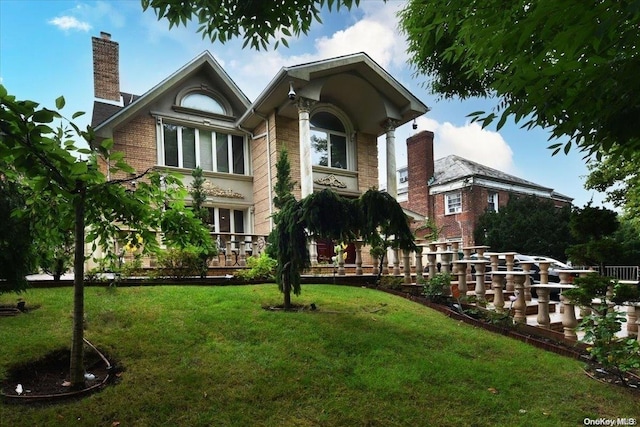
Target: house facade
(455, 192)
(327, 114)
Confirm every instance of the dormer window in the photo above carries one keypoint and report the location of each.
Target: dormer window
(202, 102)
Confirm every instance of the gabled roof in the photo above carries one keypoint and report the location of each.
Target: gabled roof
(356, 83)
(203, 61)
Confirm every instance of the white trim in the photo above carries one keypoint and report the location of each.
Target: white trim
(490, 185)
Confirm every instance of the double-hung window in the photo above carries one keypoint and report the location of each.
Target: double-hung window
(187, 147)
(452, 203)
(492, 202)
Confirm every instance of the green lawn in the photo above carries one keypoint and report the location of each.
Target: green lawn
(211, 356)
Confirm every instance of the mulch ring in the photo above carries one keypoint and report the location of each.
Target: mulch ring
(46, 379)
(7, 310)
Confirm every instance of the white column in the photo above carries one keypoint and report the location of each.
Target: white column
(306, 174)
(392, 183)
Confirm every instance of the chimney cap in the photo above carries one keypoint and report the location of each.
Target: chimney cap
(105, 35)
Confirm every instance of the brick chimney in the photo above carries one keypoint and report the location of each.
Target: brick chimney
(420, 169)
(106, 74)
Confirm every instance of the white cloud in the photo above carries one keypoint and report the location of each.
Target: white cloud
(67, 23)
(378, 40)
(471, 142)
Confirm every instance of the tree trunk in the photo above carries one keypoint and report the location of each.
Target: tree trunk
(287, 293)
(77, 341)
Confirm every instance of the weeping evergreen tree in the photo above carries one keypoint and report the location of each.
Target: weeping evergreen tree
(328, 215)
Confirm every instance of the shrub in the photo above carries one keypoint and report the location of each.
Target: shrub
(260, 268)
(435, 288)
(619, 355)
(391, 282)
(179, 263)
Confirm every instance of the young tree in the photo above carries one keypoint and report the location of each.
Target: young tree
(575, 76)
(328, 215)
(46, 159)
(528, 225)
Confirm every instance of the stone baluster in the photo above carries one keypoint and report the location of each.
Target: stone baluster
(419, 268)
(637, 308)
(254, 246)
(480, 292)
(242, 253)
(569, 321)
(497, 283)
(385, 263)
(520, 305)
(358, 245)
(406, 265)
(376, 262)
(432, 258)
(228, 260)
(509, 260)
(632, 319)
(460, 269)
(526, 267)
(445, 256)
(466, 253)
(543, 318)
(341, 270)
(396, 262)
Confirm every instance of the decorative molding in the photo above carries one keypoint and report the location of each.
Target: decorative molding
(305, 104)
(330, 181)
(390, 124)
(213, 190)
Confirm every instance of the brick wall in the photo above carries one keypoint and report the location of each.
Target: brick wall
(137, 140)
(106, 75)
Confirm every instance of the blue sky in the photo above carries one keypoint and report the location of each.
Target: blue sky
(45, 52)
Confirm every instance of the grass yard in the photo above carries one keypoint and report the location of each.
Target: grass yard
(211, 356)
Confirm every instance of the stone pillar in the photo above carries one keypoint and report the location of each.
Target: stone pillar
(480, 285)
(385, 262)
(431, 257)
(313, 252)
(460, 269)
(520, 305)
(227, 259)
(569, 321)
(306, 172)
(544, 320)
(632, 319)
(358, 245)
(526, 267)
(509, 260)
(406, 266)
(341, 271)
(376, 268)
(396, 262)
(497, 282)
(446, 260)
(419, 268)
(392, 183)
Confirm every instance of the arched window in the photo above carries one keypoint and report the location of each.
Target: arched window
(202, 102)
(329, 141)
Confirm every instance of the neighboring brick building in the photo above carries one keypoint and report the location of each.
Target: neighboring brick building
(328, 114)
(455, 191)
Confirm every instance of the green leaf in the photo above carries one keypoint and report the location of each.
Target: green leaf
(60, 102)
(77, 114)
